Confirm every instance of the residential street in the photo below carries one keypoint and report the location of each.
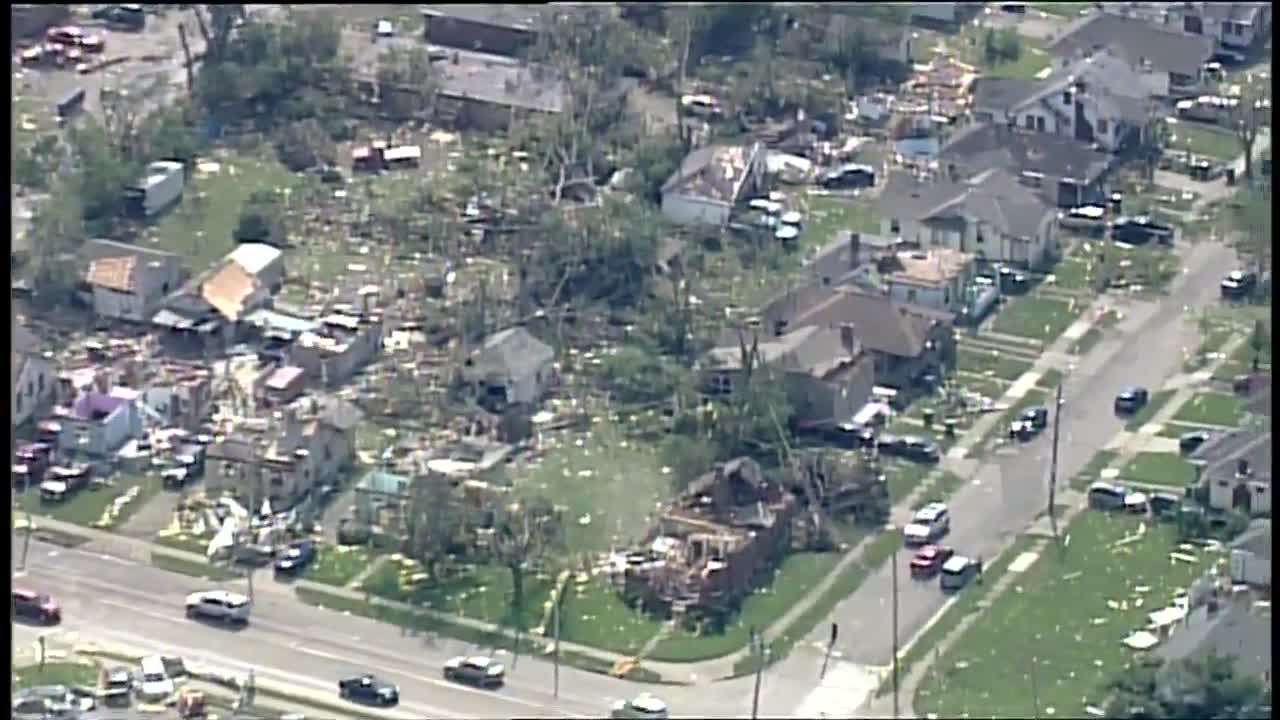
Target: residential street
(1007, 493)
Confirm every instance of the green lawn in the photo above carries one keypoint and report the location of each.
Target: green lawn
(1158, 400)
(1241, 362)
(904, 476)
(1072, 273)
(1156, 468)
(480, 592)
(1092, 470)
(55, 673)
(1210, 409)
(199, 229)
(991, 363)
(940, 487)
(91, 505)
(339, 564)
(1050, 379)
(609, 486)
(1031, 60)
(1062, 9)
(595, 615)
(173, 563)
(798, 576)
(1037, 318)
(1173, 430)
(1204, 140)
(826, 215)
(1062, 620)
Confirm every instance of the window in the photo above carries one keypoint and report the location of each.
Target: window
(1040, 124)
(1030, 121)
(40, 382)
(31, 388)
(17, 404)
(721, 383)
(1066, 97)
(894, 226)
(911, 295)
(1102, 126)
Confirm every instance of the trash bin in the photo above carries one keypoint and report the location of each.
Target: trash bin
(949, 426)
(927, 417)
(1231, 177)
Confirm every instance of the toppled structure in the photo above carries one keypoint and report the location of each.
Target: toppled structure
(712, 547)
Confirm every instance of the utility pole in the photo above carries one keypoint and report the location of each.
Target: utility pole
(1053, 464)
(757, 644)
(1035, 691)
(556, 655)
(893, 564)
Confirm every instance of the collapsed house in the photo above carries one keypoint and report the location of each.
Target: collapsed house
(712, 547)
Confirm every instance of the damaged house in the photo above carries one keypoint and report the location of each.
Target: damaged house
(343, 345)
(1171, 61)
(511, 367)
(498, 29)
(711, 181)
(313, 444)
(31, 372)
(712, 547)
(489, 94)
(127, 282)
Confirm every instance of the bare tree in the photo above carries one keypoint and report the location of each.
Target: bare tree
(524, 534)
(1251, 113)
(433, 520)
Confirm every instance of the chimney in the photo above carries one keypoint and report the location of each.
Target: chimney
(848, 339)
(855, 249)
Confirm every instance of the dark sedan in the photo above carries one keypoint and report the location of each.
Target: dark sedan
(1130, 400)
(910, 448)
(1141, 230)
(1238, 285)
(295, 558)
(1191, 441)
(369, 689)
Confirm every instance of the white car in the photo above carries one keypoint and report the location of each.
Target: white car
(644, 707)
(154, 683)
(480, 671)
(219, 605)
(929, 523)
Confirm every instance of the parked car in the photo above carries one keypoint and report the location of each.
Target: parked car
(154, 683)
(1164, 504)
(219, 605)
(117, 686)
(1238, 285)
(1106, 496)
(958, 572)
(1139, 230)
(1013, 281)
(909, 447)
(369, 689)
(851, 176)
(1191, 441)
(1131, 399)
(39, 607)
(928, 524)
(645, 706)
(476, 670)
(296, 557)
(1029, 422)
(929, 559)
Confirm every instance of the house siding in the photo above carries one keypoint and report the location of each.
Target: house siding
(33, 390)
(1247, 567)
(470, 35)
(100, 438)
(686, 209)
(995, 246)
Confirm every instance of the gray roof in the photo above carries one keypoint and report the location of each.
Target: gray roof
(340, 414)
(880, 324)
(810, 349)
(995, 198)
(987, 146)
(1241, 12)
(714, 171)
(511, 352)
(1233, 631)
(24, 341)
(527, 87)
(1256, 539)
(1167, 50)
(511, 17)
(1221, 454)
(93, 250)
(1002, 94)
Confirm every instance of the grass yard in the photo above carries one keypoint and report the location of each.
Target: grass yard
(904, 476)
(479, 592)
(92, 505)
(1062, 9)
(826, 215)
(1213, 335)
(594, 615)
(200, 227)
(798, 576)
(1050, 379)
(1218, 409)
(991, 363)
(986, 387)
(1173, 430)
(1072, 273)
(188, 543)
(1092, 471)
(1159, 399)
(1156, 468)
(1038, 318)
(1062, 620)
(1203, 140)
(173, 563)
(940, 487)
(609, 485)
(339, 564)
(55, 673)
(1241, 362)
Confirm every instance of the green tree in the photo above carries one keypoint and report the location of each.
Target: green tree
(1259, 340)
(58, 231)
(526, 532)
(261, 219)
(432, 523)
(1250, 218)
(1251, 113)
(1206, 687)
(100, 176)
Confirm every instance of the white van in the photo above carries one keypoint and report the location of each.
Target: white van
(154, 683)
(958, 571)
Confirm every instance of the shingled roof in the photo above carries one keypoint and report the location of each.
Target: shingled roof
(880, 323)
(1137, 41)
(113, 273)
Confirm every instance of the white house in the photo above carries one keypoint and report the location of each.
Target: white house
(991, 216)
(935, 278)
(1153, 48)
(32, 374)
(127, 282)
(1236, 26)
(710, 181)
(1251, 555)
(262, 261)
(511, 367)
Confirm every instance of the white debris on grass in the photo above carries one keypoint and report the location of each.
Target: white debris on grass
(1023, 561)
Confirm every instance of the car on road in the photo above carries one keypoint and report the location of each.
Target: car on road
(1131, 399)
(369, 689)
(31, 605)
(117, 686)
(221, 605)
(1238, 285)
(154, 683)
(1029, 423)
(476, 670)
(928, 524)
(910, 447)
(295, 558)
(929, 559)
(645, 706)
(958, 572)
(1189, 442)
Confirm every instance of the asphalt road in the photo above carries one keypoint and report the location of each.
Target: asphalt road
(1008, 492)
(118, 602)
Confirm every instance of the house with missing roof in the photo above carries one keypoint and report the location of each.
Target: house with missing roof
(711, 181)
(1170, 59)
(1099, 100)
(497, 29)
(827, 374)
(490, 93)
(311, 444)
(265, 263)
(341, 345)
(511, 367)
(98, 422)
(234, 292)
(1062, 171)
(127, 282)
(1229, 624)
(992, 216)
(1237, 27)
(935, 278)
(31, 373)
